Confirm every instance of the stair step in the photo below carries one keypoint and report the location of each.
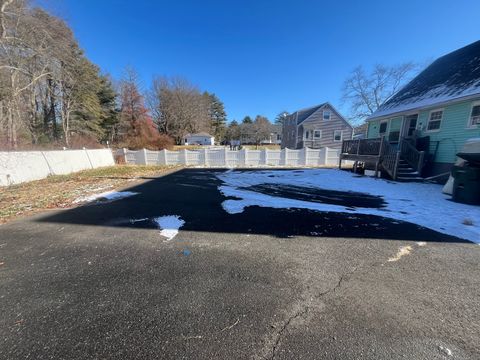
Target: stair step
(407, 170)
(408, 175)
(408, 179)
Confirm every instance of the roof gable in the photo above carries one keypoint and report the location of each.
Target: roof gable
(450, 77)
(306, 113)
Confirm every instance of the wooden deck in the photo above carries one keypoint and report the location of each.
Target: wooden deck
(384, 155)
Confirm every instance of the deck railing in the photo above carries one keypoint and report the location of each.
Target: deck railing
(362, 147)
(390, 159)
(410, 154)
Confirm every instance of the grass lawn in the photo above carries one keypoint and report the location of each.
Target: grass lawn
(61, 190)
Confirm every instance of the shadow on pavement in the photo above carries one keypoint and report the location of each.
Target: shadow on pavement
(193, 195)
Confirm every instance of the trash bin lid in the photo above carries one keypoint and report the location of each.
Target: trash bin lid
(472, 158)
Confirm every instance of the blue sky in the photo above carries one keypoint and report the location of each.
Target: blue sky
(261, 57)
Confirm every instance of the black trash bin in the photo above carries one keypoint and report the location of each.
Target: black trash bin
(466, 185)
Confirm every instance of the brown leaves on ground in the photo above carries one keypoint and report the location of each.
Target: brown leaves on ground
(60, 191)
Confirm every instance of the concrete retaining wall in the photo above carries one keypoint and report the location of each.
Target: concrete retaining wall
(21, 166)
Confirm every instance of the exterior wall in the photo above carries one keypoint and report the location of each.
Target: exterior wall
(451, 136)
(328, 127)
(289, 132)
(373, 127)
(393, 125)
(453, 133)
(202, 140)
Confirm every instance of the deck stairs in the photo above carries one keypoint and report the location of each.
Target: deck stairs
(406, 173)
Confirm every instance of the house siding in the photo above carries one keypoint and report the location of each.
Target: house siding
(453, 133)
(328, 127)
(373, 127)
(451, 136)
(289, 132)
(293, 134)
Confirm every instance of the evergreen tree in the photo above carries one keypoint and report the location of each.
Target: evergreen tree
(280, 118)
(110, 113)
(247, 120)
(217, 114)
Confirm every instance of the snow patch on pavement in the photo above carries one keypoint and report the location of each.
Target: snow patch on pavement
(108, 195)
(169, 225)
(418, 203)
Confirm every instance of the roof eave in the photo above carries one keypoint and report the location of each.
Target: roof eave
(424, 107)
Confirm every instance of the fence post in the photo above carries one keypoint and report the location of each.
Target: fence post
(305, 156)
(184, 158)
(283, 157)
(245, 157)
(124, 153)
(325, 160)
(265, 157)
(225, 153)
(143, 157)
(205, 157)
(163, 157)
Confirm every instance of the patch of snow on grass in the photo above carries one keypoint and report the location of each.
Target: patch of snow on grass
(419, 203)
(108, 195)
(169, 225)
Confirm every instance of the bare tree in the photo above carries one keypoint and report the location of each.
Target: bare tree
(365, 92)
(46, 82)
(178, 107)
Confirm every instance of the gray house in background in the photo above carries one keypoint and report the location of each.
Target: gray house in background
(315, 127)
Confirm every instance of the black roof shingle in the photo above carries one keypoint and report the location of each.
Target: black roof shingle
(452, 76)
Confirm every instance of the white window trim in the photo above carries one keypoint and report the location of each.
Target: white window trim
(329, 115)
(380, 125)
(428, 120)
(469, 122)
(341, 135)
(317, 138)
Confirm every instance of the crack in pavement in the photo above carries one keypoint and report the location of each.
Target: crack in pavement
(305, 310)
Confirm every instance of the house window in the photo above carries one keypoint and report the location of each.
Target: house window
(307, 135)
(434, 120)
(317, 134)
(475, 116)
(326, 115)
(383, 128)
(337, 135)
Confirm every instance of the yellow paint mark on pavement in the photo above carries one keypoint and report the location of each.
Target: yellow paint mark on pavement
(404, 250)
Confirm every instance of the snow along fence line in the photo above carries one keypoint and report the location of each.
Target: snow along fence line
(234, 158)
(21, 166)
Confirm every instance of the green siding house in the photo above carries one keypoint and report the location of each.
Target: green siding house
(436, 112)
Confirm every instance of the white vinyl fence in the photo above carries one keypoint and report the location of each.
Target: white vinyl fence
(234, 158)
(21, 166)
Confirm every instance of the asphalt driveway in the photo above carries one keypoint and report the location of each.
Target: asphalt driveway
(98, 281)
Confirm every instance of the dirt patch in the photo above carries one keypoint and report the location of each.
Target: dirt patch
(61, 191)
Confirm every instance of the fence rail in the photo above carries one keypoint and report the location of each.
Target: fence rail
(234, 158)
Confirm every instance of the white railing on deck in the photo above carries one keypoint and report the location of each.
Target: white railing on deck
(234, 158)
